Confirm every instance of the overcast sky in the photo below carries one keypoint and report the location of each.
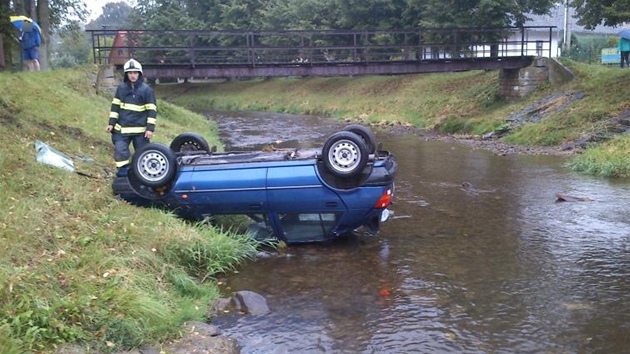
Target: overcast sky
(96, 6)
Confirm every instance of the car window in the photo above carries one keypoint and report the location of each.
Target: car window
(304, 227)
(260, 227)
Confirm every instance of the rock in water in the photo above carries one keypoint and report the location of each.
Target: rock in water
(250, 302)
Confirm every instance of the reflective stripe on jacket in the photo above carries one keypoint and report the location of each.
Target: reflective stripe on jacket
(133, 109)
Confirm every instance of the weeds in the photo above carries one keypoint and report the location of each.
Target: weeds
(454, 103)
(608, 160)
(78, 265)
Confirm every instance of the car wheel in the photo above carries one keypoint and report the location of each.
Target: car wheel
(186, 142)
(366, 134)
(154, 165)
(345, 154)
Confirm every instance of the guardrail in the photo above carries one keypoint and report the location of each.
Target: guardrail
(194, 48)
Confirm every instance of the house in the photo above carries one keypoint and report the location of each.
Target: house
(122, 48)
(557, 18)
(543, 35)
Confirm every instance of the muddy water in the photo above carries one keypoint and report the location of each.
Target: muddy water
(478, 258)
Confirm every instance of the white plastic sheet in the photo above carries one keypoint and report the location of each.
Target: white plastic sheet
(50, 156)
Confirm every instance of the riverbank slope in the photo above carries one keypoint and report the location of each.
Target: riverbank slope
(78, 265)
(586, 116)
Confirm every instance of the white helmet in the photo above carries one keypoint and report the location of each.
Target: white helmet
(133, 65)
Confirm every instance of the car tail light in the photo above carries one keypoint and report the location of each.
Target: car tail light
(384, 200)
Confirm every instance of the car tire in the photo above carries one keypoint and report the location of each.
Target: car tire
(345, 154)
(366, 134)
(186, 142)
(154, 165)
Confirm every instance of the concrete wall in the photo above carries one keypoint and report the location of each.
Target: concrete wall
(518, 83)
(558, 73)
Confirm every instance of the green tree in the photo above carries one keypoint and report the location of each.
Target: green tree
(116, 15)
(374, 14)
(336, 14)
(243, 14)
(50, 14)
(72, 47)
(479, 13)
(299, 15)
(588, 48)
(5, 37)
(175, 14)
(474, 14)
(592, 13)
(72, 44)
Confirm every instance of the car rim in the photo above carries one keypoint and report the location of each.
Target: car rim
(344, 156)
(153, 166)
(190, 146)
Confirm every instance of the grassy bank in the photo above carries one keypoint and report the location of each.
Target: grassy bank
(463, 103)
(76, 264)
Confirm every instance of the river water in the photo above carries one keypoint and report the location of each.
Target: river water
(477, 258)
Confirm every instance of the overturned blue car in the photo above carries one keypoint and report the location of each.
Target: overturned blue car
(293, 195)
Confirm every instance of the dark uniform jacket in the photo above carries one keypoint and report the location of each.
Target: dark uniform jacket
(134, 109)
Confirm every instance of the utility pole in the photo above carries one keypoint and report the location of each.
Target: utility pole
(567, 27)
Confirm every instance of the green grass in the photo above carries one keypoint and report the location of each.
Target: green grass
(605, 91)
(414, 99)
(76, 264)
(455, 103)
(609, 159)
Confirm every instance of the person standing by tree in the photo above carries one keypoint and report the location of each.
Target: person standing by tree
(30, 40)
(132, 115)
(623, 47)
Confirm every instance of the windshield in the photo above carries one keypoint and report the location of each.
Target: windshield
(306, 227)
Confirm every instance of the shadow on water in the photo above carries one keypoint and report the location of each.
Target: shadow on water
(478, 257)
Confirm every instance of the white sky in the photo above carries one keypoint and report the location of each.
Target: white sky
(96, 6)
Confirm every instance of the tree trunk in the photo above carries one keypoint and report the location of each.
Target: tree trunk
(5, 30)
(44, 22)
(2, 66)
(20, 7)
(32, 10)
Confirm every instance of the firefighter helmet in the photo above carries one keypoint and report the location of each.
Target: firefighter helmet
(133, 65)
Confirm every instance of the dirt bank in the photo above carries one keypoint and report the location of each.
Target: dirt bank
(500, 148)
(535, 112)
(494, 145)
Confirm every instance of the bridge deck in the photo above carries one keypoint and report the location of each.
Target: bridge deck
(224, 54)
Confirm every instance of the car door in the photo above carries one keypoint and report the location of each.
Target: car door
(227, 189)
(297, 188)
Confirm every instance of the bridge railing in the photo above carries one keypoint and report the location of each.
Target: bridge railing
(295, 47)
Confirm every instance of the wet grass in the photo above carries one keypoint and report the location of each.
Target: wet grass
(609, 159)
(423, 101)
(76, 264)
(455, 103)
(605, 97)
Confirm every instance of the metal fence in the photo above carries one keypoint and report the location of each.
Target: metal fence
(333, 47)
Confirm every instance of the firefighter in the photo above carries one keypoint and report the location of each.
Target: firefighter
(132, 115)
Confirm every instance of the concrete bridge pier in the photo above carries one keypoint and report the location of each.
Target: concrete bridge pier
(519, 83)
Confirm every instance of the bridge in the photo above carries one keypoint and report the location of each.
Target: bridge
(243, 54)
